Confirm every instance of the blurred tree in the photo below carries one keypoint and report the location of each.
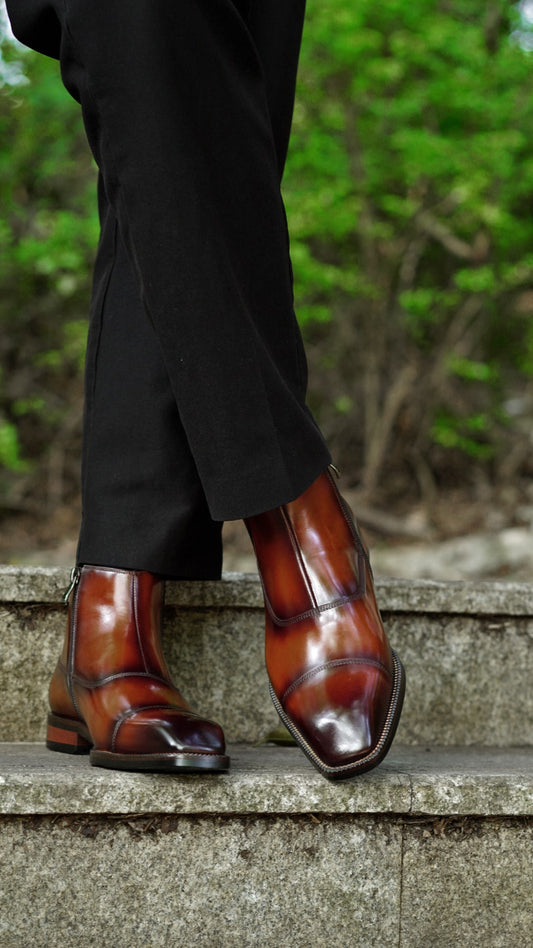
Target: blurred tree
(48, 233)
(409, 191)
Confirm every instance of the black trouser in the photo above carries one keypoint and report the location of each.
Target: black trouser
(196, 375)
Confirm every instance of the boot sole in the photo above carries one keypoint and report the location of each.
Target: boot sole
(373, 757)
(71, 737)
(161, 763)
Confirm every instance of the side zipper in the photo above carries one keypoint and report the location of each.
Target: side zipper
(75, 574)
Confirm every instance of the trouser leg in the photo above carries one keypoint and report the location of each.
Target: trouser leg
(186, 150)
(276, 27)
(138, 468)
(143, 506)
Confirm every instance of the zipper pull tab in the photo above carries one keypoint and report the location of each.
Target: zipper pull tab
(75, 574)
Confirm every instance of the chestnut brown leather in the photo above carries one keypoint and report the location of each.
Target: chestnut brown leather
(336, 683)
(111, 692)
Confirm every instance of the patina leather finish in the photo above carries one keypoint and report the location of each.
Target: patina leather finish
(335, 681)
(111, 693)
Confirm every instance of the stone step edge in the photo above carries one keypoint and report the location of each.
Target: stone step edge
(267, 780)
(46, 586)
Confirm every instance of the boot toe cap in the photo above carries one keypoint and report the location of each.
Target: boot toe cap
(341, 711)
(167, 731)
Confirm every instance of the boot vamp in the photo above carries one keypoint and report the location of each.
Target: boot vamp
(352, 631)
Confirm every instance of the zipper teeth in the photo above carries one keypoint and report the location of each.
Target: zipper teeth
(74, 587)
(384, 734)
(134, 592)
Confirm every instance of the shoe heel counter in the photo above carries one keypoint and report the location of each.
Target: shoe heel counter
(58, 694)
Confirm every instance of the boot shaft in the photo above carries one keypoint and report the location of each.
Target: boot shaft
(114, 624)
(309, 553)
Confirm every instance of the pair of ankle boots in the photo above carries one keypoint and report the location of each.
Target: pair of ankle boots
(334, 680)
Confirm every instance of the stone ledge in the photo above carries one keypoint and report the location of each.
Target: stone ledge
(46, 585)
(452, 781)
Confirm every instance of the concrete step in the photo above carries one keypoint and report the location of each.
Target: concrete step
(432, 849)
(467, 649)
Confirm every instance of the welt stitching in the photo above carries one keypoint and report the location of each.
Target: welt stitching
(317, 610)
(100, 682)
(335, 663)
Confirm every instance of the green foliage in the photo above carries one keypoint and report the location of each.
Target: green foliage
(453, 432)
(48, 233)
(409, 192)
(9, 447)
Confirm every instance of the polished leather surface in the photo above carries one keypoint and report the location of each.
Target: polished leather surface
(111, 682)
(327, 654)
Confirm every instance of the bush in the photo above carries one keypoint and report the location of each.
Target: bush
(409, 191)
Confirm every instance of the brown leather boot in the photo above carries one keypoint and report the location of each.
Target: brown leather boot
(111, 693)
(335, 682)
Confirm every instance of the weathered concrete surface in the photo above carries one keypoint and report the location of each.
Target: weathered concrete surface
(46, 585)
(469, 679)
(268, 779)
(467, 883)
(30, 642)
(40, 584)
(264, 882)
(270, 856)
(199, 883)
(467, 649)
